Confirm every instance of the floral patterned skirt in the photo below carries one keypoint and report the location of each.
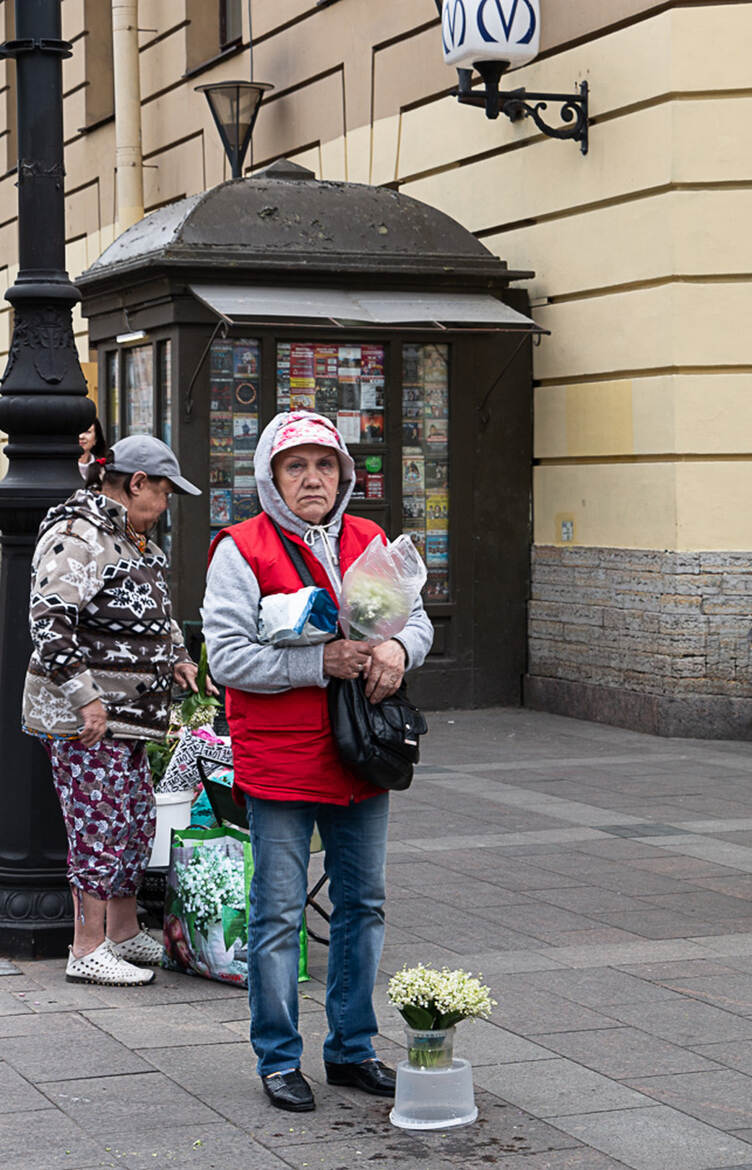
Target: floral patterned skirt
(107, 799)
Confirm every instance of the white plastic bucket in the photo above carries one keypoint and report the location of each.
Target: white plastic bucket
(173, 812)
(437, 1098)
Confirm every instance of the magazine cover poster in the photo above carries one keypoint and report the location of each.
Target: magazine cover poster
(437, 510)
(437, 549)
(437, 585)
(413, 474)
(326, 361)
(372, 394)
(246, 396)
(301, 363)
(412, 366)
(220, 397)
(244, 475)
(437, 473)
(220, 507)
(414, 508)
(245, 504)
(220, 362)
(220, 424)
(348, 425)
(245, 359)
(436, 402)
(220, 445)
(435, 364)
(436, 431)
(418, 537)
(412, 432)
(372, 361)
(349, 395)
(372, 426)
(374, 486)
(302, 399)
(327, 397)
(220, 471)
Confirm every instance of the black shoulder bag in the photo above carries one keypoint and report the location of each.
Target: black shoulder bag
(378, 742)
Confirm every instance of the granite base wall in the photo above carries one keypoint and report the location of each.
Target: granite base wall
(655, 641)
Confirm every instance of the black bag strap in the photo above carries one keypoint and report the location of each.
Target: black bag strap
(295, 555)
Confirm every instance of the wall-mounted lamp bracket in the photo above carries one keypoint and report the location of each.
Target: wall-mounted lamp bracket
(519, 103)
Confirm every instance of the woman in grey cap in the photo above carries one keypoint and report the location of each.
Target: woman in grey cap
(105, 655)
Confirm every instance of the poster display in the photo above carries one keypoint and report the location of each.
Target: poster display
(345, 383)
(425, 463)
(234, 366)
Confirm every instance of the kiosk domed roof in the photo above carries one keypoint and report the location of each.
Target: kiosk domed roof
(284, 218)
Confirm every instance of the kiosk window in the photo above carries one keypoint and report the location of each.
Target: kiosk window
(164, 359)
(425, 460)
(233, 431)
(113, 395)
(139, 390)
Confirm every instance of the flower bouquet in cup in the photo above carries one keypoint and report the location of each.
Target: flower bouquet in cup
(431, 1002)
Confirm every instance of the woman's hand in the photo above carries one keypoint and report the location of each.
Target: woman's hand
(94, 716)
(385, 670)
(346, 659)
(184, 674)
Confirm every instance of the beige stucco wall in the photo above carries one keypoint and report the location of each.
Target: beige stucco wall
(644, 391)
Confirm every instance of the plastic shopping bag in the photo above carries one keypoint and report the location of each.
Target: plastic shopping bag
(380, 589)
(206, 916)
(304, 618)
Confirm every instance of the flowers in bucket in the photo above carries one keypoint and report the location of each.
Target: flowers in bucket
(431, 1002)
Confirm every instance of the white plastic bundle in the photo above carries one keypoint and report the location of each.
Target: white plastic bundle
(304, 618)
(380, 589)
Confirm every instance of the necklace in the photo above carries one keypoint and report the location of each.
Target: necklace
(138, 538)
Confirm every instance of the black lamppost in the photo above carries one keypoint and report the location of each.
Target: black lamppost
(43, 408)
(235, 106)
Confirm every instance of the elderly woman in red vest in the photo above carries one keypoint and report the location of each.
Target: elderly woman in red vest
(286, 762)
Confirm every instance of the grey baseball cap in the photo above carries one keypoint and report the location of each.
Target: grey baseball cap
(152, 456)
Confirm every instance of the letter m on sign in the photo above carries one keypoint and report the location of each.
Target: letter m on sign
(503, 7)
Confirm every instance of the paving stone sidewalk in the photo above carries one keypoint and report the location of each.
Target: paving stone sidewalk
(599, 879)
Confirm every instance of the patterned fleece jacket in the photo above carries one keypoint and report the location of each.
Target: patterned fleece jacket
(101, 624)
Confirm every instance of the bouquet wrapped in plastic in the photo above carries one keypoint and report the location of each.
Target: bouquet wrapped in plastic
(380, 589)
(303, 618)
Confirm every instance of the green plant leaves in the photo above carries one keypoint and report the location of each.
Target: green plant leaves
(450, 1019)
(193, 701)
(420, 1018)
(234, 925)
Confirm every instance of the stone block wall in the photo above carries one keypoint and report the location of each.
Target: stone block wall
(657, 641)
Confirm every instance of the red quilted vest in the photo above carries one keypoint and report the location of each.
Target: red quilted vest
(282, 744)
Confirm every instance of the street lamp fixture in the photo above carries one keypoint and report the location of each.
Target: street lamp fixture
(235, 106)
(494, 36)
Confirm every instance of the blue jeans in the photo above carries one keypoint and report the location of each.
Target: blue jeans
(354, 838)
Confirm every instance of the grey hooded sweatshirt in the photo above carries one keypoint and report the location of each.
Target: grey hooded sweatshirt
(231, 602)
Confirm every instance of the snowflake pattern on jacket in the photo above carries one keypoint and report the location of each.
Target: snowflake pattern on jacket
(101, 624)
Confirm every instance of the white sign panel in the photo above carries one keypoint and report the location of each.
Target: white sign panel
(490, 30)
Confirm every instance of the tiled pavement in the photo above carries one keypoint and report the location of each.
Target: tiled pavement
(600, 880)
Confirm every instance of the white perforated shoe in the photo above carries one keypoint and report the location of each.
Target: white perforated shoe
(141, 948)
(104, 966)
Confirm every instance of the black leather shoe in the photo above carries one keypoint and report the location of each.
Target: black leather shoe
(289, 1090)
(371, 1076)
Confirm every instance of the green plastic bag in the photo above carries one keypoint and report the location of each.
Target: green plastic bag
(206, 901)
